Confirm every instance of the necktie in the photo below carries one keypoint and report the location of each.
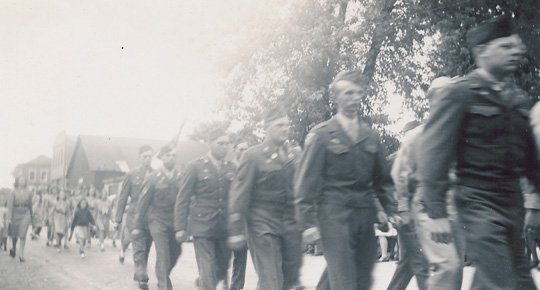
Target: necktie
(352, 131)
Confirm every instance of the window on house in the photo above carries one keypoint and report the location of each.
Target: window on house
(44, 175)
(32, 175)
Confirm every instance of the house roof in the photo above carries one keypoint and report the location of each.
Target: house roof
(41, 159)
(114, 153)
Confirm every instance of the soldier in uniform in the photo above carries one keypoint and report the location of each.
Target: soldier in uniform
(338, 187)
(481, 121)
(207, 181)
(239, 256)
(155, 208)
(131, 190)
(261, 196)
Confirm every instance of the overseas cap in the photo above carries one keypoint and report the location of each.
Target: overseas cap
(166, 149)
(353, 76)
(500, 26)
(144, 148)
(215, 133)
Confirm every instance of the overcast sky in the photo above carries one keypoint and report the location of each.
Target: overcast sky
(118, 68)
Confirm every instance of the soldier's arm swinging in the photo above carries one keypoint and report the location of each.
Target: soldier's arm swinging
(308, 183)
(183, 199)
(240, 197)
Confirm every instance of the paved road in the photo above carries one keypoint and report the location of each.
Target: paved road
(45, 268)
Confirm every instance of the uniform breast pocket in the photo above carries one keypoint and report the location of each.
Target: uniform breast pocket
(271, 179)
(340, 162)
(485, 121)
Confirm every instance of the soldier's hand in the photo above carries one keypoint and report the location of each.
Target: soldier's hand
(532, 221)
(117, 226)
(382, 217)
(237, 242)
(181, 236)
(311, 236)
(396, 221)
(136, 232)
(440, 230)
(405, 217)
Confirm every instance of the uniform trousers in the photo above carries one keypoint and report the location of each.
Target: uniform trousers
(350, 247)
(213, 256)
(445, 260)
(125, 235)
(239, 269)
(277, 258)
(141, 244)
(493, 226)
(167, 252)
(412, 261)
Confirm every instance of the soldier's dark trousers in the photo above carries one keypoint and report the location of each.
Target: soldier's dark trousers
(213, 256)
(141, 245)
(239, 269)
(167, 252)
(277, 258)
(493, 226)
(412, 261)
(350, 248)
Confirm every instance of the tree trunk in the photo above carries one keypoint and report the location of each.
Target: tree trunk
(377, 41)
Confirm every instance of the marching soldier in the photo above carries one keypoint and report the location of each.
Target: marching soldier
(262, 197)
(131, 190)
(481, 121)
(338, 187)
(207, 180)
(156, 209)
(239, 256)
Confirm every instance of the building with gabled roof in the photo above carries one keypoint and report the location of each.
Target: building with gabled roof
(36, 172)
(62, 152)
(99, 158)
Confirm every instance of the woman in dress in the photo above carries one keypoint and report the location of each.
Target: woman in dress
(61, 215)
(48, 210)
(103, 216)
(19, 216)
(37, 210)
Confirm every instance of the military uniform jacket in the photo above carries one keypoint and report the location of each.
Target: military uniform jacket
(131, 187)
(210, 189)
(158, 195)
(335, 170)
(261, 194)
(489, 137)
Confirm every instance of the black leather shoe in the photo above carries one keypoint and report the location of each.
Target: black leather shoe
(143, 285)
(12, 253)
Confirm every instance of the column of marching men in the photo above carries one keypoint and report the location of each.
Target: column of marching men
(465, 188)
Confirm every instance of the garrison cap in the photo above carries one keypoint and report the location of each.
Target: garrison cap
(497, 27)
(166, 149)
(144, 148)
(273, 113)
(215, 133)
(354, 76)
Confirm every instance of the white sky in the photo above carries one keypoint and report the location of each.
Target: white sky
(62, 67)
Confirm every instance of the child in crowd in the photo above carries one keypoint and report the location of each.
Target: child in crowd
(103, 216)
(60, 218)
(3, 226)
(81, 224)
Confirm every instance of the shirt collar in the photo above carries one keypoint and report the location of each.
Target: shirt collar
(216, 162)
(344, 121)
(495, 84)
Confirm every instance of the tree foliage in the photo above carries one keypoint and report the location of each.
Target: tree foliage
(288, 51)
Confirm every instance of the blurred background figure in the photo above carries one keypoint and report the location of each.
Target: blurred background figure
(19, 216)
